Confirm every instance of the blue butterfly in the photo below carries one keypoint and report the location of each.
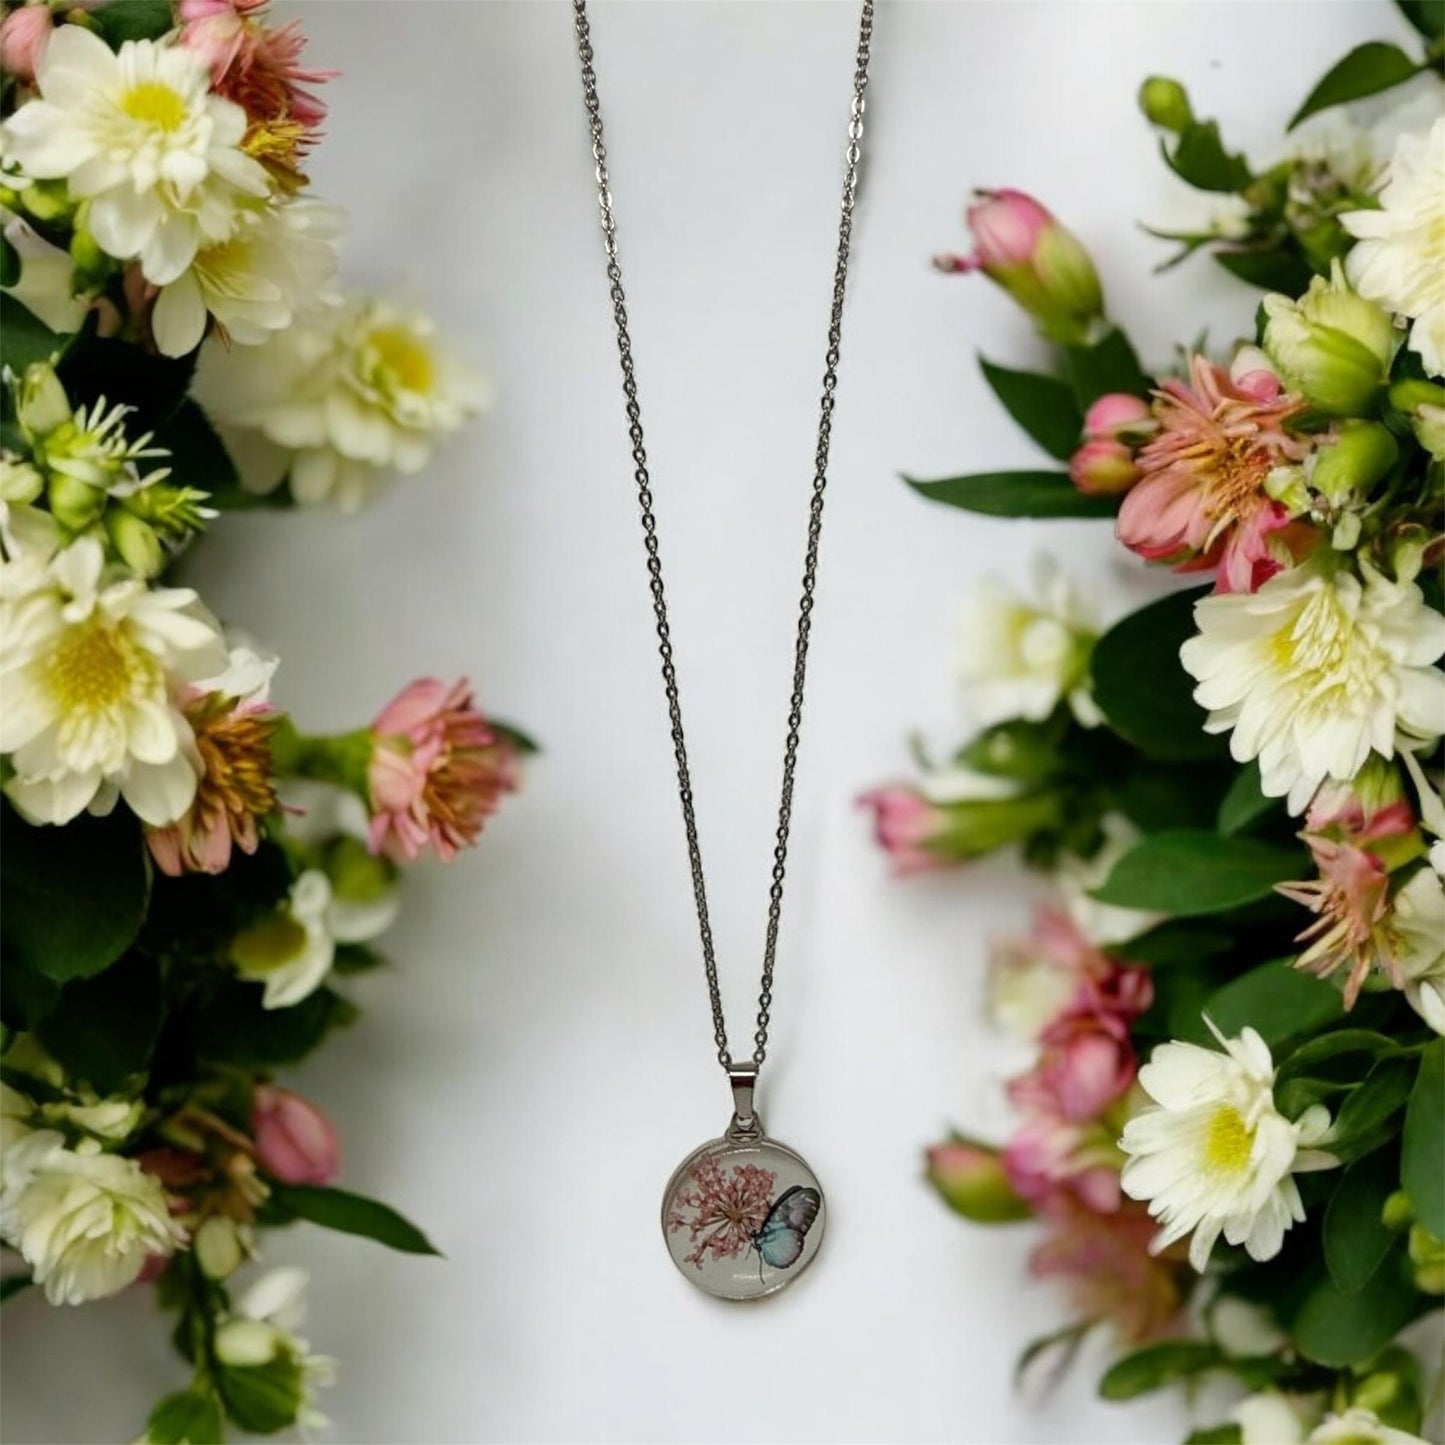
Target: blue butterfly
(780, 1241)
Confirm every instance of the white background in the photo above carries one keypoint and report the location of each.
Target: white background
(539, 1057)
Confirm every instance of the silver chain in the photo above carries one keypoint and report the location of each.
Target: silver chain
(649, 528)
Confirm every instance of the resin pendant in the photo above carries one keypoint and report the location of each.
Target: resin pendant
(743, 1215)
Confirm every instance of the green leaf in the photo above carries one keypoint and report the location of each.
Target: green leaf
(1366, 70)
(265, 1398)
(1356, 1239)
(104, 1029)
(198, 456)
(233, 1027)
(124, 20)
(1142, 687)
(1271, 269)
(1173, 943)
(1215, 1435)
(1192, 873)
(1337, 1329)
(25, 996)
(1200, 158)
(524, 743)
(1042, 405)
(1015, 494)
(1275, 1000)
(1106, 365)
(9, 263)
(1427, 16)
(351, 1214)
(1365, 1118)
(25, 338)
(1245, 804)
(122, 373)
(189, 1417)
(1346, 1053)
(1158, 1365)
(71, 899)
(1422, 1164)
(1157, 796)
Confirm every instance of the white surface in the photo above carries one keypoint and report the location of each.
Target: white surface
(539, 1059)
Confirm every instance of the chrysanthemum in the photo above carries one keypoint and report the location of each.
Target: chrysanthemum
(1213, 1155)
(1201, 501)
(339, 400)
(1418, 927)
(91, 668)
(1400, 258)
(138, 135)
(277, 264)
(1021, 656)
(1317, 670)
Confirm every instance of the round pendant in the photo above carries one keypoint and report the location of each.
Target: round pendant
(743, 1216)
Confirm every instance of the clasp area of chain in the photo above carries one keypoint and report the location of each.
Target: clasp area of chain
(746, 1124)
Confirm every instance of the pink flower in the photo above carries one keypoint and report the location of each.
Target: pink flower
(904, 824)
(1020, 245)
(437, 771)
(295, 1141)
(259, 68)
(1103, 468)
(1201, 502)
(1051, 1160)
(234, 789)
(1369, 808)
(1351, 900)
(24, 35)
(1085, 1068)
(1104, 1261)
(727, 1207)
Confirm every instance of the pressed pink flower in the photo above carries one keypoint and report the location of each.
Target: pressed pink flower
(721, 1207)
(234, 787)
(1351, 900)
(295, 1141)
(1201, 500)
(1104, 1261)
(24, 35)
(904, 824)
(437, 771)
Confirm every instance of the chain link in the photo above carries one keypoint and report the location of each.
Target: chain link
(852, 155)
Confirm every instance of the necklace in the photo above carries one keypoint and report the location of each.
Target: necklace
(743, 1215)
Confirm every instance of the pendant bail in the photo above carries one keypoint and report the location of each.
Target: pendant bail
(744, 1078)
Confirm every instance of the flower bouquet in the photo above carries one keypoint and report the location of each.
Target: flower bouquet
(1231, 1131)
(190, 879)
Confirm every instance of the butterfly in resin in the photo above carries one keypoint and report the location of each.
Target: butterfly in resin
(780, 1240)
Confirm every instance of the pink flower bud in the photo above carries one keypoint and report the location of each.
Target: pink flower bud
(295, 1142)
(1103, 468)
(972, 1180)
(1020, 245)
(903, 824)
(23, 37)
(1254, 374)
(1118, 415)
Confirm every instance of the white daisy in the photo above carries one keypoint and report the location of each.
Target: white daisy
(1214, 1155)
(1400, 258)
(277, 264)
(1317, 670)
(290, 951)
(339, 400)
(90, 666)
(1019, 657)
(1358, 1426)
(138, 135)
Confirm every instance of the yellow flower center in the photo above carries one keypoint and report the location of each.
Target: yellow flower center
(1229, 1141)
(93, 668)
(153, 103)
(399, 352)
(267, 945)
